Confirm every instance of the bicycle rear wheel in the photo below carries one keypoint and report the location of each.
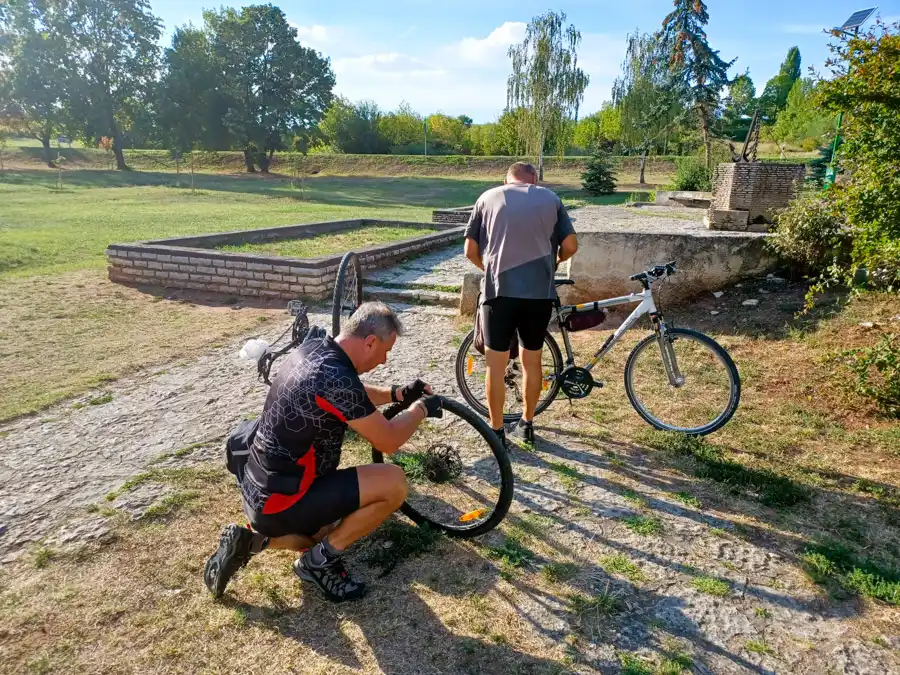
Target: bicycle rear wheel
(470, 378)
(458, 472)
(347, 291)
(708, 396)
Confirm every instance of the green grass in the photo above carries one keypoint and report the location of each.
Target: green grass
(556, 572)
(831, 562)
(599, 604)
(43, 557)
(756, 647)
(511, 554)
(634, 665)
(569, 476)
(406, 541)
(711, 586)
(332, 242)
(688, 499)
(620, 564)
(644, 525)
(45, 229)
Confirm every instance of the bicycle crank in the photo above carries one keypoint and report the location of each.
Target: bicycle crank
(577, 382)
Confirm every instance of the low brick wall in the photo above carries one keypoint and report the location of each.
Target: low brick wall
(193, 263)
(459, 215)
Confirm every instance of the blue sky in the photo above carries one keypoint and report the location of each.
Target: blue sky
(451, 56)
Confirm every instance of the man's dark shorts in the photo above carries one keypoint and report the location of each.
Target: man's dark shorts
(330, 498)
(503, 316)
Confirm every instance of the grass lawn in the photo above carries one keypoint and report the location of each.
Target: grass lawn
(65, 328)
(332, 242)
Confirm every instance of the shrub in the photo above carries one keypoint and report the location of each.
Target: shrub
(597, 178)
(809, 234)
(691, 174)
(877, 373)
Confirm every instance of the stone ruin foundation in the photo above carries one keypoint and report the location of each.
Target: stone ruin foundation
(747, 194)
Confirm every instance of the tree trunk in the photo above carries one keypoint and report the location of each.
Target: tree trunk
(643, 166)
(248, 161)
(541, 159)
(45, 142)
(265, 160)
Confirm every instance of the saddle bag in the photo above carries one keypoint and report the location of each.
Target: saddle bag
(237, 447)
(584, 320)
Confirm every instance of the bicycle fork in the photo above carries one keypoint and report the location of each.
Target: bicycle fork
(666, 352)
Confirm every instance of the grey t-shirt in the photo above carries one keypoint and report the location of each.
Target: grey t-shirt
(518, 228)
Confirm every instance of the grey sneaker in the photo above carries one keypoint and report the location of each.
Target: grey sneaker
(233, 553)
(332, 578)
(523, 432)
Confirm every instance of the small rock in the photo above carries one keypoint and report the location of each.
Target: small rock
(138, 499)
(764, 291)
(750, 303)
(387, 544)
(895, 318)
(739, 285)
(718, 294)
(867, 324)
(715, 313)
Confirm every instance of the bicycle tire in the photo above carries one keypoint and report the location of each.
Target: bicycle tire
(480, 406)
(349, 272)
(506, 475)
(720, 353)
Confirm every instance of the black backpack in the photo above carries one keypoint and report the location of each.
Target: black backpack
(237, 446)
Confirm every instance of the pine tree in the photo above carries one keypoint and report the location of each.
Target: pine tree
(597, 178)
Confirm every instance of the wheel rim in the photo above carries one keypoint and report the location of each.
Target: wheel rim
(700, 403)
(453, 477)
(472, 378)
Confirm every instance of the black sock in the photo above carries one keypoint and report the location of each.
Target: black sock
(523, 423)
(259, 543)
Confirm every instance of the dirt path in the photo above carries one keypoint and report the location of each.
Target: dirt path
(714, 594)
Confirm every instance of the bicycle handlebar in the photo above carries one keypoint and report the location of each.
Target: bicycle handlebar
(655, 273)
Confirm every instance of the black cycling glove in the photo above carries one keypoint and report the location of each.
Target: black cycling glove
(433, 406)
(411, 392)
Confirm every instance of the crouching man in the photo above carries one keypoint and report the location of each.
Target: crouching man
(294, 495)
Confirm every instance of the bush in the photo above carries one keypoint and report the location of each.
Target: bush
(808, 234)
(691, 174)
(597, 178)
(877, 373)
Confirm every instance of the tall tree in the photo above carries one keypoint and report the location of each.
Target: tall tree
(39, 75)
(113, 46)
(403, 128)
(354, 128)
(700, 67)
(275, 86)
(190, 103)
(774, 97)
(644, 94)
(546, 80)
(738, 106)
(802, 117)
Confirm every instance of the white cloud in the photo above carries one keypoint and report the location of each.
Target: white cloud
(316, 34)
(386, 65)
(801, 28)
(488, 50)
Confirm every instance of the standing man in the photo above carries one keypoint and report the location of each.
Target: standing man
(294, 495)
(518, 233)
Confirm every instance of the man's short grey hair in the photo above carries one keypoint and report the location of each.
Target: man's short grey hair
(372, 318)
(521, 170)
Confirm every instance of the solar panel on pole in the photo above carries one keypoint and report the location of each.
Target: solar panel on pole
(857, 19)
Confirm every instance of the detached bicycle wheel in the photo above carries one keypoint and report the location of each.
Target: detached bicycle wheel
(347, 291)
(457, 470)
(471, 373)
(709, 389)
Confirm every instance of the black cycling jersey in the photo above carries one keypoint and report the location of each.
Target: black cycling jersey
(313, 396)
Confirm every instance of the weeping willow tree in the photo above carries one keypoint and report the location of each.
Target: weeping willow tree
(546, 80)
(646, 95)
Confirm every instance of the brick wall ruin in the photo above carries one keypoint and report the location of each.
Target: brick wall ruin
(745, 195)
(192, 262)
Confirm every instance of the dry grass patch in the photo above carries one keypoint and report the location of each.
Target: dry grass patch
(65, 334)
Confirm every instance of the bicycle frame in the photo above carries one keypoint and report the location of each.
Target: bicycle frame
(646, 306)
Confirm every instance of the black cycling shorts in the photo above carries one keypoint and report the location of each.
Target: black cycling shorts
(503, 316)
(330, 498)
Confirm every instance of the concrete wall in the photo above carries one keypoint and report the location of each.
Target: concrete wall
(192, 262)
(706, 262)
(459, 215)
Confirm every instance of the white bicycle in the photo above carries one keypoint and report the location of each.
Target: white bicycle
(676, 379)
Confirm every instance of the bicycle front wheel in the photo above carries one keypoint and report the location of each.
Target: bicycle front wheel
(347, 291)
(458, 473)
(709, 388)
(470, 378)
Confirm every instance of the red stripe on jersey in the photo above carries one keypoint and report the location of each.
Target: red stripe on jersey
(276, 503)
(327, 407)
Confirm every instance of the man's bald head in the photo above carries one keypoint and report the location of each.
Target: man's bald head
(522, 172)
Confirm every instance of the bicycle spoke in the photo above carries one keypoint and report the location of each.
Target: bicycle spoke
(704, 396)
